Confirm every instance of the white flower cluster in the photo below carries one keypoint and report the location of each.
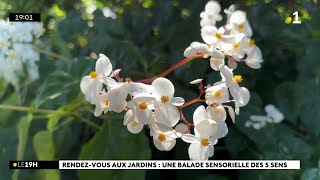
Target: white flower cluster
(156, 106)
(260, 121)
(232, 41)
(17, 51)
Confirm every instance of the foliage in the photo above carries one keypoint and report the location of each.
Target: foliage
(49, 118)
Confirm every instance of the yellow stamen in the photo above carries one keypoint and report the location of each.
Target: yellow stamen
(164, 99)
(128, 80)
(106, 102)
(1, 43)
(218, 35)
(216, 111)
(162, 137)
(205, 142)
(134, 123)
(143, 105)
(11, 55)
(240, 26)
(93, 74)
(236, 45)
(237, 78)
(252, 42)
(216, 94)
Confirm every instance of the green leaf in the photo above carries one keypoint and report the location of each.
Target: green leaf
(307, 95)
(53, 120)
(309, 63)
(115, 142)
(3, 87)
(311, 174)
(8, 149)
(23, 131)
(286, 103)
(5, 120)
(44, 147)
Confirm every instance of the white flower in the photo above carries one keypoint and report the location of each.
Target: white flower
(196, 48)
(132, 123)
(211, 14)
(235, 47)
(217, 94)
(260, 121)
(254, 55)
(239, 23)
(274, 113)
(166, 111)
(142, 105)
(17, 54)
(229, 12)
(164, 137)
(240, 94)
(219, 115)
(119, 92)
(201, 147)
(102, 104)
(92, 84)
(216, 37)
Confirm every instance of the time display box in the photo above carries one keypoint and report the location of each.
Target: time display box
(26, 17)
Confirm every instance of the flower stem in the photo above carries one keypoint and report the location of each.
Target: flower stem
(172, 68)
(48, 111)
(31, 109)
(184, 119)
(53, 54)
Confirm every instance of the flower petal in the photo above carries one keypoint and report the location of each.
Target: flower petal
(103, 65)
(199, 115)
(135, 127)
(177, 101)
(143, 116)
(165, 145)
(189, 52)
(167, 114)
(207, 128)
(189, 138)
(215, 63)
(217, 113)
(211, 150)
(222, 129)
(198, 152)
(199, 47)
(128, 117)
(91, 88)
(196, 81)
(162, 87)
(138, 88)
(231, 113)
(208, 34)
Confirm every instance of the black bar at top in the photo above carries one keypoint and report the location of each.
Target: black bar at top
(24, 17)
(34, 164)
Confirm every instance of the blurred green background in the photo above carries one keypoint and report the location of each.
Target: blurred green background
(145, 38)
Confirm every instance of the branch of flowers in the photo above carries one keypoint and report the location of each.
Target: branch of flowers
(197, 99)
(185, 120)
(172, 68)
